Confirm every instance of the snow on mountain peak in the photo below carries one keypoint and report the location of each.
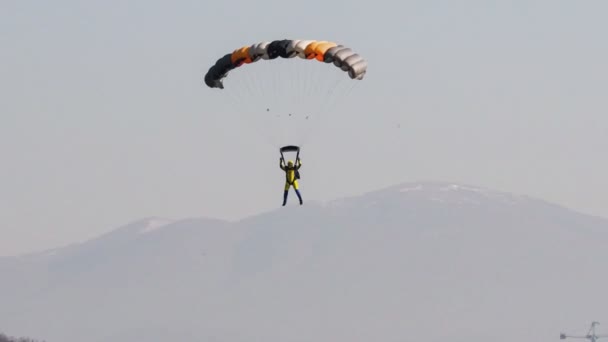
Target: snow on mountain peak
(461, 187)
(154, 224)
(449, 192)
(439, 187)
(411, 188)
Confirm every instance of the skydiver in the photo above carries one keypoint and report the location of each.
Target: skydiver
(291, 177)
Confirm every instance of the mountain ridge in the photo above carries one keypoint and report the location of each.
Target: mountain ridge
(392, 264)
(434, 191)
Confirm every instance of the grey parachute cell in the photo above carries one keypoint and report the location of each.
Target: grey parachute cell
(331, 53)
(257, 51)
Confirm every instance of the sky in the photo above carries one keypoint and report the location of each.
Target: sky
(105, 119)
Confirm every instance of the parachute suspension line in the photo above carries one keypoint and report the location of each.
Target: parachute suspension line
(302, 87)
(338, 93)
(340, 89)
(275, 98)
(264, 106)
(311, 83)
(282, 99)
(321, 93)
(323, 96)
(317, 82)
(240, 104)
(249, 84)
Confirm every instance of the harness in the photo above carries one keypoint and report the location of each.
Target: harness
(296, 174)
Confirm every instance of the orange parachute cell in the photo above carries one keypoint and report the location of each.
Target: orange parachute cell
(321, 48)
(309, 52)
(240, 56)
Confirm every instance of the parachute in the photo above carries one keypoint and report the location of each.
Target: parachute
(286, 86)
(327, 52)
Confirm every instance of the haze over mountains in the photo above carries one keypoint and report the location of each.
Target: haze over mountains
(414, 262)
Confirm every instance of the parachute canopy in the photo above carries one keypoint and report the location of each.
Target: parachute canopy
(323, 51)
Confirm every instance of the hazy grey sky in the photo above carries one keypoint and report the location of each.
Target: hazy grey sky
(104, 117)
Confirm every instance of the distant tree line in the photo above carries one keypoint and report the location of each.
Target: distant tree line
(4, 338)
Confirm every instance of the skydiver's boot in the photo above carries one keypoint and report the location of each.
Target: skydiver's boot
(285, 197)
(299, 196)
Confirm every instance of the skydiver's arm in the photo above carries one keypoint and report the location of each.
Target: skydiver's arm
(281, 165)
(299, 164)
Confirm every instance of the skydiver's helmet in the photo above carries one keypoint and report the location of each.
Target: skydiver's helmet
(290, 163)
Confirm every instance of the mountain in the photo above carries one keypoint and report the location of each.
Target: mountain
(425, 261)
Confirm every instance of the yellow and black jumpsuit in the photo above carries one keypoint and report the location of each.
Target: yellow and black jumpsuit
(290, 178)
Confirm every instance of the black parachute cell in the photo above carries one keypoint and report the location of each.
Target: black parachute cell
(283, 45)
(273, 49)
(218, 71)
(277, 48)
(211, 79)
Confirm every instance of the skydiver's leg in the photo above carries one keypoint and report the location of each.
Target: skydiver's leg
(285, 192)
(297, 189)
